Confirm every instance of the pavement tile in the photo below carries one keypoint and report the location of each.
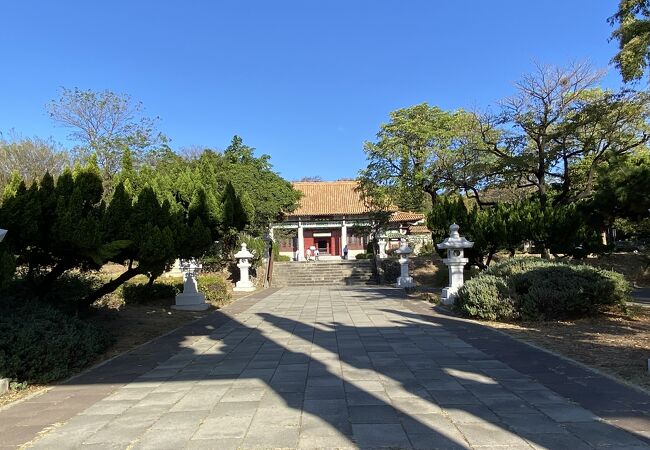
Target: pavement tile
(485, 433)
(387, 435)
(373, 414)
(601, 434)
(226, 427)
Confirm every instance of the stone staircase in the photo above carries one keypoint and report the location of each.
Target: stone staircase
(321, 273)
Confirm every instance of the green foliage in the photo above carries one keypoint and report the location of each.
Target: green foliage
(485, 297)
(633, 36)
(417, 153)
(40, 344)
(215, 289)
(7, 266)
(144, 292)
(622, 197)
(535, 289)
(281, 258)
(563, 229)
(391, 270)
(363, 256)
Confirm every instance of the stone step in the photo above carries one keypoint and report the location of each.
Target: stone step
(321, 273)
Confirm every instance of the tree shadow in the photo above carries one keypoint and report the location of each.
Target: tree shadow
(380, 377)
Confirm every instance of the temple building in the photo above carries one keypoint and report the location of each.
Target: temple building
(332, 215)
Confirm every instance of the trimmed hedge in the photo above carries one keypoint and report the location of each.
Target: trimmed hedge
(143, 292)
(215, 289)
(40, 344)
(535, 289)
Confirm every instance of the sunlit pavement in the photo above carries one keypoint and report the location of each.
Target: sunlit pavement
(334, 368)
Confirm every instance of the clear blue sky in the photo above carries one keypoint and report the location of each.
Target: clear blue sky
(305, 81)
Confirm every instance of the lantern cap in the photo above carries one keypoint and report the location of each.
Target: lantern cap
(455, 240)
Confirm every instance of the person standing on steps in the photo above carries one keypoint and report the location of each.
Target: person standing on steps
(345, 251)
(316, 254)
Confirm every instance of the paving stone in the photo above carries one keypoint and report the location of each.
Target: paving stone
(243, 395)
(601, 434)
(163, 439)
(567, 413)
(226, 427)
(373, 414)
(334, 368)
(387, 435)
(271, 437)
(485, 433)
(212, 444)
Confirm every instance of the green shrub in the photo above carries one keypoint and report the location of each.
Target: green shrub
(363, 256)
(143, 292)
(541, 290)
(215, 289)
(68, 290)
(391, 269)
(283, 258)
(485, 297)
(40, 344)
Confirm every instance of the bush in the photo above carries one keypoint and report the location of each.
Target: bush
(67, 291)
(363, 256)
(143, 292)
(485, 297)
(282, 258)
(541, 290)
(391, 269)
(215, 289)
(40, 344)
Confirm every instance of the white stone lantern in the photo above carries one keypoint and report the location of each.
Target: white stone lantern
(3, 233)
(382, 247)
(455, 260)
(404, 280)
(243, 262)
(190, 299)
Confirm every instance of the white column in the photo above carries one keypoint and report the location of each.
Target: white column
(301, 243)
(344, 235)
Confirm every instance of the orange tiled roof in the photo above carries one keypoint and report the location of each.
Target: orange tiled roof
(419, 229)
(328, 197)
(402, 216)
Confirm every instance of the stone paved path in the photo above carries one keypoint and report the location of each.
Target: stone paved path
(335, 368)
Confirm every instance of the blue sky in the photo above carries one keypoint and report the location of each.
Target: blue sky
(304, 81)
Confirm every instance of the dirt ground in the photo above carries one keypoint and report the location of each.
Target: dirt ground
(616, 343)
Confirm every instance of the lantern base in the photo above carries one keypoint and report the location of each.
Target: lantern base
(448, 295)
(405, 282)
(243, 289)
(194, 301)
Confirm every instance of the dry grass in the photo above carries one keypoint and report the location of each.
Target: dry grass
(616, 343)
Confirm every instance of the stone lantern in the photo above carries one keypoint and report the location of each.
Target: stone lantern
(3, 233)
(243, 256)
(455, 260)
(404, 280)
(382, 247)
(190, 299)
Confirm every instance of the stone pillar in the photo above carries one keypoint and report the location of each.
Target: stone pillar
(455, 260)
(404, 280)
(301, 242)
(344, 235)
(190, 299)
(243, 257)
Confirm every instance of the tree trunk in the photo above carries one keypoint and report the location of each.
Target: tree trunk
(110, 286)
